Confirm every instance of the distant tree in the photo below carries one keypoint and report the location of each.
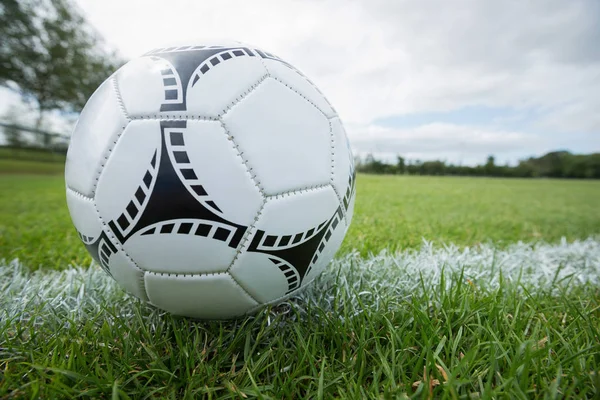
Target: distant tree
(433, 168)
(489, 168)
(374, 166)
(554, 164)
(400, 165)
(414, 167)
(50, 54)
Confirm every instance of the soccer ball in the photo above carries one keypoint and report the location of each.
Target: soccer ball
(210, 180)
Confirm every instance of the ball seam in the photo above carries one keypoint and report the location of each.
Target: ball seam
(118, 245)
(300, 94)
(240, 153)
(112, 145)
(235, 282)
(306, 189)
(120, 98)
(242, 96)
(79, 194)
(167, 117)
(243, 246)
(246, 239)
(332, 180)
(286, 296)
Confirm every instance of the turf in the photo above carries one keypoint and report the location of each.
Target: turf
(481, 318)
(392, 213)
(29, 154)
(35, 225)
(434, 323)
(398, 212)
(11, 167)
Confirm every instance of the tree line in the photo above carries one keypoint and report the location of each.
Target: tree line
(557, 164)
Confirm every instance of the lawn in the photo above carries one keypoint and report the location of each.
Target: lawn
(30, 161)
(392, 213)
(8, 166)
(399, 212)
(498, 319)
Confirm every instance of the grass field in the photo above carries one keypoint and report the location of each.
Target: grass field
(392, 213)
(495, 319)
(30, 161)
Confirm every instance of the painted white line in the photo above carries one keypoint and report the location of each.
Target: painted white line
(80, 292)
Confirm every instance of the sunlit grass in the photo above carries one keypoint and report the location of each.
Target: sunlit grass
(482, 323)
(397, 212)
(392, 213)
(481, 318)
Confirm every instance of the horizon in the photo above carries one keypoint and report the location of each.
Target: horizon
(409, 78)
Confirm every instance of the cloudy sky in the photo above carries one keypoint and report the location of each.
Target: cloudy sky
(455, 80)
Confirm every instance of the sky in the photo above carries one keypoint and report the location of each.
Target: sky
(430, 79)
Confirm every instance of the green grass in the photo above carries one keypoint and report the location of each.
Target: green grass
(368, 328)
(28, 154)
(364, 330)
(12, 167)
(35, 225)
(391, 213)
(398, 212)
(30, 161)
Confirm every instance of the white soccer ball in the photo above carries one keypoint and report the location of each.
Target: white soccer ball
(210, 180)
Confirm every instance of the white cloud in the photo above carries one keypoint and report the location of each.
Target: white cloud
(377, 58)
(451, 142)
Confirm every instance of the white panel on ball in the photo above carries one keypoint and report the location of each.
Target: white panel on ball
(260, 277)
(284, 138)
(219, 170)
(207, 95)
(300, 222)
(168, 250)
(214, 296)
(128, 276)
(298, 82)
(84, 215)
(310, 208)
(141, 86)
(128, 165)
(99, 125)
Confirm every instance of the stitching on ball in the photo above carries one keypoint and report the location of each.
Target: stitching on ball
(79, 194)
(301, 95)
(185, 275)
(110, 148)
(244, 161)
(298, 191)
(243, 288)
(120, 98)
(242, 96)
(246, 240)
(332, 181)
(166, 117)
(262, 61)
(337, 194)
(235, 282)
(293, 293)
(118, 245)
(310, 83)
